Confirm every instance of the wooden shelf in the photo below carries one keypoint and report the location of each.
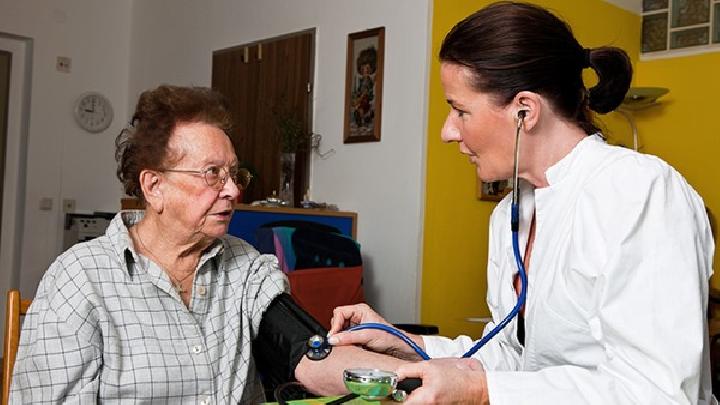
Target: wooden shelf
(130, 203)
(293, 210)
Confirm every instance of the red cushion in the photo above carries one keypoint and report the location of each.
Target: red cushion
(319, 291)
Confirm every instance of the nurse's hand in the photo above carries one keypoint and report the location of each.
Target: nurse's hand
(371, 339)
(351, 315)
(446, 381)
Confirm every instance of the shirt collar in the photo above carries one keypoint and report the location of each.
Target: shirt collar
(557, 172)
(119, 235)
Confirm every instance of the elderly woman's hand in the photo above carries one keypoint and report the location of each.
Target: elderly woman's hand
(447, 381)
(371, 339)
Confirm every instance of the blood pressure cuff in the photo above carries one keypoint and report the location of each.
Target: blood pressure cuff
(282, 340)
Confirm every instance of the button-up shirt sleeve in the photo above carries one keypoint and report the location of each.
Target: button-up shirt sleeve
(264, 284)
(60, 350)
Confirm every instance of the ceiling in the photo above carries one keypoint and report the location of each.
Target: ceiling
(631, 5)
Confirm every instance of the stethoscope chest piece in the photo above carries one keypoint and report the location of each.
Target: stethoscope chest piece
(318, 348)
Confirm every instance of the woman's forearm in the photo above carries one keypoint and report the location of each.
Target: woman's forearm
(325, 377)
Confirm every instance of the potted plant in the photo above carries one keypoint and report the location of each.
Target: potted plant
(292, 136)
(291, 132)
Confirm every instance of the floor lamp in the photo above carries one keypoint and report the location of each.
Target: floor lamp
(639, 98)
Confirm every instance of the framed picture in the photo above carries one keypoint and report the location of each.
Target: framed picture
(363, 85)
(493, 191)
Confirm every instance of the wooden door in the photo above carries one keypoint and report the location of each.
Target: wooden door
(260, 81)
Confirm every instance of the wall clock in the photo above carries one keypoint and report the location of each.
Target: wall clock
(93, 112)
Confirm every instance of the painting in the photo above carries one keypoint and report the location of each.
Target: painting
(363, 85)
(493, 191)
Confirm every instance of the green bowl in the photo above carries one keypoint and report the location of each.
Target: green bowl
(370, 384)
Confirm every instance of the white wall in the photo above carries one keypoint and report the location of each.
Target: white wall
(173, 40)
(62, 160)
(123, 47)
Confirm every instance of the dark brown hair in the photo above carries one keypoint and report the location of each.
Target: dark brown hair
(143, 145)
(368, 56)
(512, 47)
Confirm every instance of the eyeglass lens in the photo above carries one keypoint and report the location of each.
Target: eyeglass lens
(215, 174)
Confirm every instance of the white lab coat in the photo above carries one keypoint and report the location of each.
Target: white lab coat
(618, 287)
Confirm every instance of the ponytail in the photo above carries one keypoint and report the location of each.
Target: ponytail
(614, 72)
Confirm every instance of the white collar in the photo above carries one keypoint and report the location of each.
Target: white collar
(557, 172)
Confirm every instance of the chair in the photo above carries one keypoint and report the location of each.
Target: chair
(16, 307)
(319, 291)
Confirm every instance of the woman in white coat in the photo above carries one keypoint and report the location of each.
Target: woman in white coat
(616, 244)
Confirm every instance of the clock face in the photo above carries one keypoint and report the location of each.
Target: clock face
(93, 112)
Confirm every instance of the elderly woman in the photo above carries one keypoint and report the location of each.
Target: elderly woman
(165, 306)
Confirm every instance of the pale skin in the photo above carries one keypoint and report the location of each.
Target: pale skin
(184, 216)
(485, 132)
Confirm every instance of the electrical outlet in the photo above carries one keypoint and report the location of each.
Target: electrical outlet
(68, 205)
(315, 141)
(63, 64)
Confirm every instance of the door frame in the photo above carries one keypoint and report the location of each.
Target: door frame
(14, 188)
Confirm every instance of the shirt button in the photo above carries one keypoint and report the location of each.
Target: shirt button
(197, 349)
(205, 401)
(202, 290)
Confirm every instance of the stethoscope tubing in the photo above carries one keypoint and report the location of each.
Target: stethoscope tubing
(485, 339)
(514, 225)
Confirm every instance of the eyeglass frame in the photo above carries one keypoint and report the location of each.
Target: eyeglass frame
(222, 179)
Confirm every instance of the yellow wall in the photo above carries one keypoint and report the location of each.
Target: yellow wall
(455, 241)
(684, 130)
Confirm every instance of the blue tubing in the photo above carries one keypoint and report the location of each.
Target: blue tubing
(395, 332)
(480, 343)
(518, 305)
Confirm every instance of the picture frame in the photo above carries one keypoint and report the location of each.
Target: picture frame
(493, 191)
(364, 85)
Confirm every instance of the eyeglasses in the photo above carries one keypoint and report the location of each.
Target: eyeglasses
(216, 176)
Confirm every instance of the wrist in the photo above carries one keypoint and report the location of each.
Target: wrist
(483, 395)
(418, 339)
(405, 352)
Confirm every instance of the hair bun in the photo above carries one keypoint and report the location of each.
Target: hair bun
(614, 71)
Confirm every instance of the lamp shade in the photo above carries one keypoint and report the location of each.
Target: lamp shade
(638, 98)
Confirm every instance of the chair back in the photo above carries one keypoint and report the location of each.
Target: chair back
(16, 307)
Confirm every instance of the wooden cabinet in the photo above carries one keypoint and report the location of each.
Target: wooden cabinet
(268, 86)
(248, 218)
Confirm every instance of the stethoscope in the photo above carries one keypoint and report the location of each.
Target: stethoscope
(514, 227)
